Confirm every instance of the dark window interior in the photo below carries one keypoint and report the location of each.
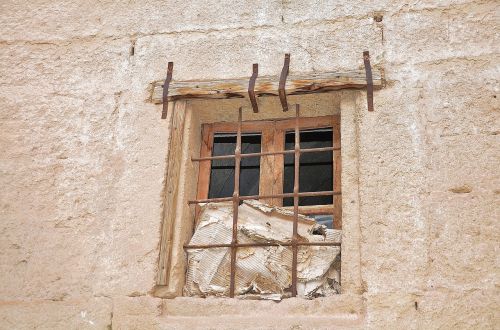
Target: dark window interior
(222, 172)
(316, 168)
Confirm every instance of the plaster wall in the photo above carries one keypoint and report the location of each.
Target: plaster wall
(82, 162)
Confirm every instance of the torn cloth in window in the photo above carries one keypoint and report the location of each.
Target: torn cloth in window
(261, 272)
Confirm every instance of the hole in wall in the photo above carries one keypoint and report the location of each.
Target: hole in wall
(132, 48)
(378, 17)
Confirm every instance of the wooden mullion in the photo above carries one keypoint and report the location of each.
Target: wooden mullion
(279, 165)
(267, 164)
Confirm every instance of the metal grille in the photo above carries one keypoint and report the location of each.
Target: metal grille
(236, 198)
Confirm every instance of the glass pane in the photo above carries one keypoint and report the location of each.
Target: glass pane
(222, 171)
(315, 173)
(324, 219)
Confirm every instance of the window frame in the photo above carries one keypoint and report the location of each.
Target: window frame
(272, 166)
(182, 135)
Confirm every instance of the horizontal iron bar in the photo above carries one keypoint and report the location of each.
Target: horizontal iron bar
(241, 198)
(209, 246)
(258, 154)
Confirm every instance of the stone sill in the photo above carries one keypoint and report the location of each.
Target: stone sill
(343, 306)
(258, 321)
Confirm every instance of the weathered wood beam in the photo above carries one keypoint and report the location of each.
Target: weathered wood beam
(264, 86)
(176, 119)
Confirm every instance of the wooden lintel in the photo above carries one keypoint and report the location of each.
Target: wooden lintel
(264, 86)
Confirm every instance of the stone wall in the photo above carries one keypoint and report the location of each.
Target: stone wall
(82, 162)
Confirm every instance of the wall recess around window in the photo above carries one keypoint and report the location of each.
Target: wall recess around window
(206, 113)
(264, 223)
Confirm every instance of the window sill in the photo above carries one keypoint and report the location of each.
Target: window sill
(343, 307)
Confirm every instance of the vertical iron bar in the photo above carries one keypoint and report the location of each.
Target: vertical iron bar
(236, 202)
(295, 202)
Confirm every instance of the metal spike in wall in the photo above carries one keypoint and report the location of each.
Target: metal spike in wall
(251, 87)
(166, 84)
(369, 80)
(284, 75)
(232, 88)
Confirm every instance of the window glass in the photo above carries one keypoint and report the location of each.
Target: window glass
(315, 172)
(222, 171)
(324, 219)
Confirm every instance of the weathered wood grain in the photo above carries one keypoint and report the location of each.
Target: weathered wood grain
(176, 115)
(266, 186)
(205, 166)
(264, 86)
(278, 166)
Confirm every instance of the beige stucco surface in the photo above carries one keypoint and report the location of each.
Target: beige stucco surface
(82, 157)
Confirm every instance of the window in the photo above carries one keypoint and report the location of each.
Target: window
(256, 160)
(192, 105)
(273, 173)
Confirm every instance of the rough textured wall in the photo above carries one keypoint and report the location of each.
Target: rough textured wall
(82, 155)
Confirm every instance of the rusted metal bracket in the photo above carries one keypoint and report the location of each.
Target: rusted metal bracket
(369, 80)
(251, 87)
(166, 84)
(281, 88)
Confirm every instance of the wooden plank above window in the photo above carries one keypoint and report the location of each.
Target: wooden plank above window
(264, 86)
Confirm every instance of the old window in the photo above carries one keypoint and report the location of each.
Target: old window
(273, 174)
(266, 178)
(181, 217)
(291, 164)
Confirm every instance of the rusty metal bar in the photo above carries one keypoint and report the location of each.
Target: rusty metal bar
(282, 84)
(369, 80)
(236, 203)
(256, 244)
(258, 154)
(295, 202)
(242, 198)
(251, 87)
(166, 84)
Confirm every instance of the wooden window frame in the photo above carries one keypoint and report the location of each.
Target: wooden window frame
(272, 166)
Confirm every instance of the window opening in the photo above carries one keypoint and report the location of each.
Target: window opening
(237, 197)
(240, 88)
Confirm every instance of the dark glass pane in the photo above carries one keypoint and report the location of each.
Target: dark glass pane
(315, 172)
(222, 171)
